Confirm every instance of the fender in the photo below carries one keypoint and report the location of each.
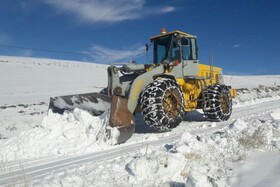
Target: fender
(140, 83)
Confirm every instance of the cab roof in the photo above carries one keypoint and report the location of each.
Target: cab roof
(171, 33)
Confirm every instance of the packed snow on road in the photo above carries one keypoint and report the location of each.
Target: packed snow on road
(41, 148)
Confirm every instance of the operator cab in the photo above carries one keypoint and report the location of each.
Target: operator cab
(172, 46)
(176, 48)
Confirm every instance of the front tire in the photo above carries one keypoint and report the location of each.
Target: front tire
(218, 102)
(162, 104)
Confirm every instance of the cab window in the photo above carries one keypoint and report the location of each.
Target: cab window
(185, 48)
(193, 49)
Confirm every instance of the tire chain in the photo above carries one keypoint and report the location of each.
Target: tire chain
(151, 100)
(213, 110)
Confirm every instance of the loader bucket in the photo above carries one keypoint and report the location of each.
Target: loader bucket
(95, 103)
(122, 119)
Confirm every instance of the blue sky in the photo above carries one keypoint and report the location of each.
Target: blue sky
(244, 35)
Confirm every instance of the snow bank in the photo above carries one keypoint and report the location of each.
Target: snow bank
(246, 95)
(204, 160)
(193, 161)
(261, 169)
(276, 115)
(67, 134)
(222, 148)
(253, 81)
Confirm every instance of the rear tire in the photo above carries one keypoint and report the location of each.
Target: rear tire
(218, 102)
(162, 104)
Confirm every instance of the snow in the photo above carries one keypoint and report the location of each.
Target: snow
(100, 105)
(193, 160)
(203, 153)
(252, 81)
(276, 115)
(264, 165)
(67, 134)
(29, 80)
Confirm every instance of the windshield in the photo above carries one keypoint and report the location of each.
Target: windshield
(161, 48)
(167, 49)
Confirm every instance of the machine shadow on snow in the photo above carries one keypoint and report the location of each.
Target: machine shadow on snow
(194, 116)
(141, 127)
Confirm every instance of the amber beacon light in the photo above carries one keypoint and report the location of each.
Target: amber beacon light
(163, 31)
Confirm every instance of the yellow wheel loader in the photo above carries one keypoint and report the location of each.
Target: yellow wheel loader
(163, 91)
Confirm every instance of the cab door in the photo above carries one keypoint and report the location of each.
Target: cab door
(189, 57)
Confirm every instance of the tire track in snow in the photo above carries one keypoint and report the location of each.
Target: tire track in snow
(36, 169)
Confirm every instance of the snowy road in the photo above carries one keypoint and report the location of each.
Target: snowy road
(28, 170)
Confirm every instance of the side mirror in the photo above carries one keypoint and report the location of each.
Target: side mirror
(147, 47)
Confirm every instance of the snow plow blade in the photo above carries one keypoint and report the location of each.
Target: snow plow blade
(121, 119)
(95, 103)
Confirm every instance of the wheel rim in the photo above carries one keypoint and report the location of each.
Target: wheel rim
(224, 103)
(172, 103)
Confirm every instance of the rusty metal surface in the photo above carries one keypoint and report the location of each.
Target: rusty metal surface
(120, 115)
(121, 118)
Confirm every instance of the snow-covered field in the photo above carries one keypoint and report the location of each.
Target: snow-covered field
(39, 148)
